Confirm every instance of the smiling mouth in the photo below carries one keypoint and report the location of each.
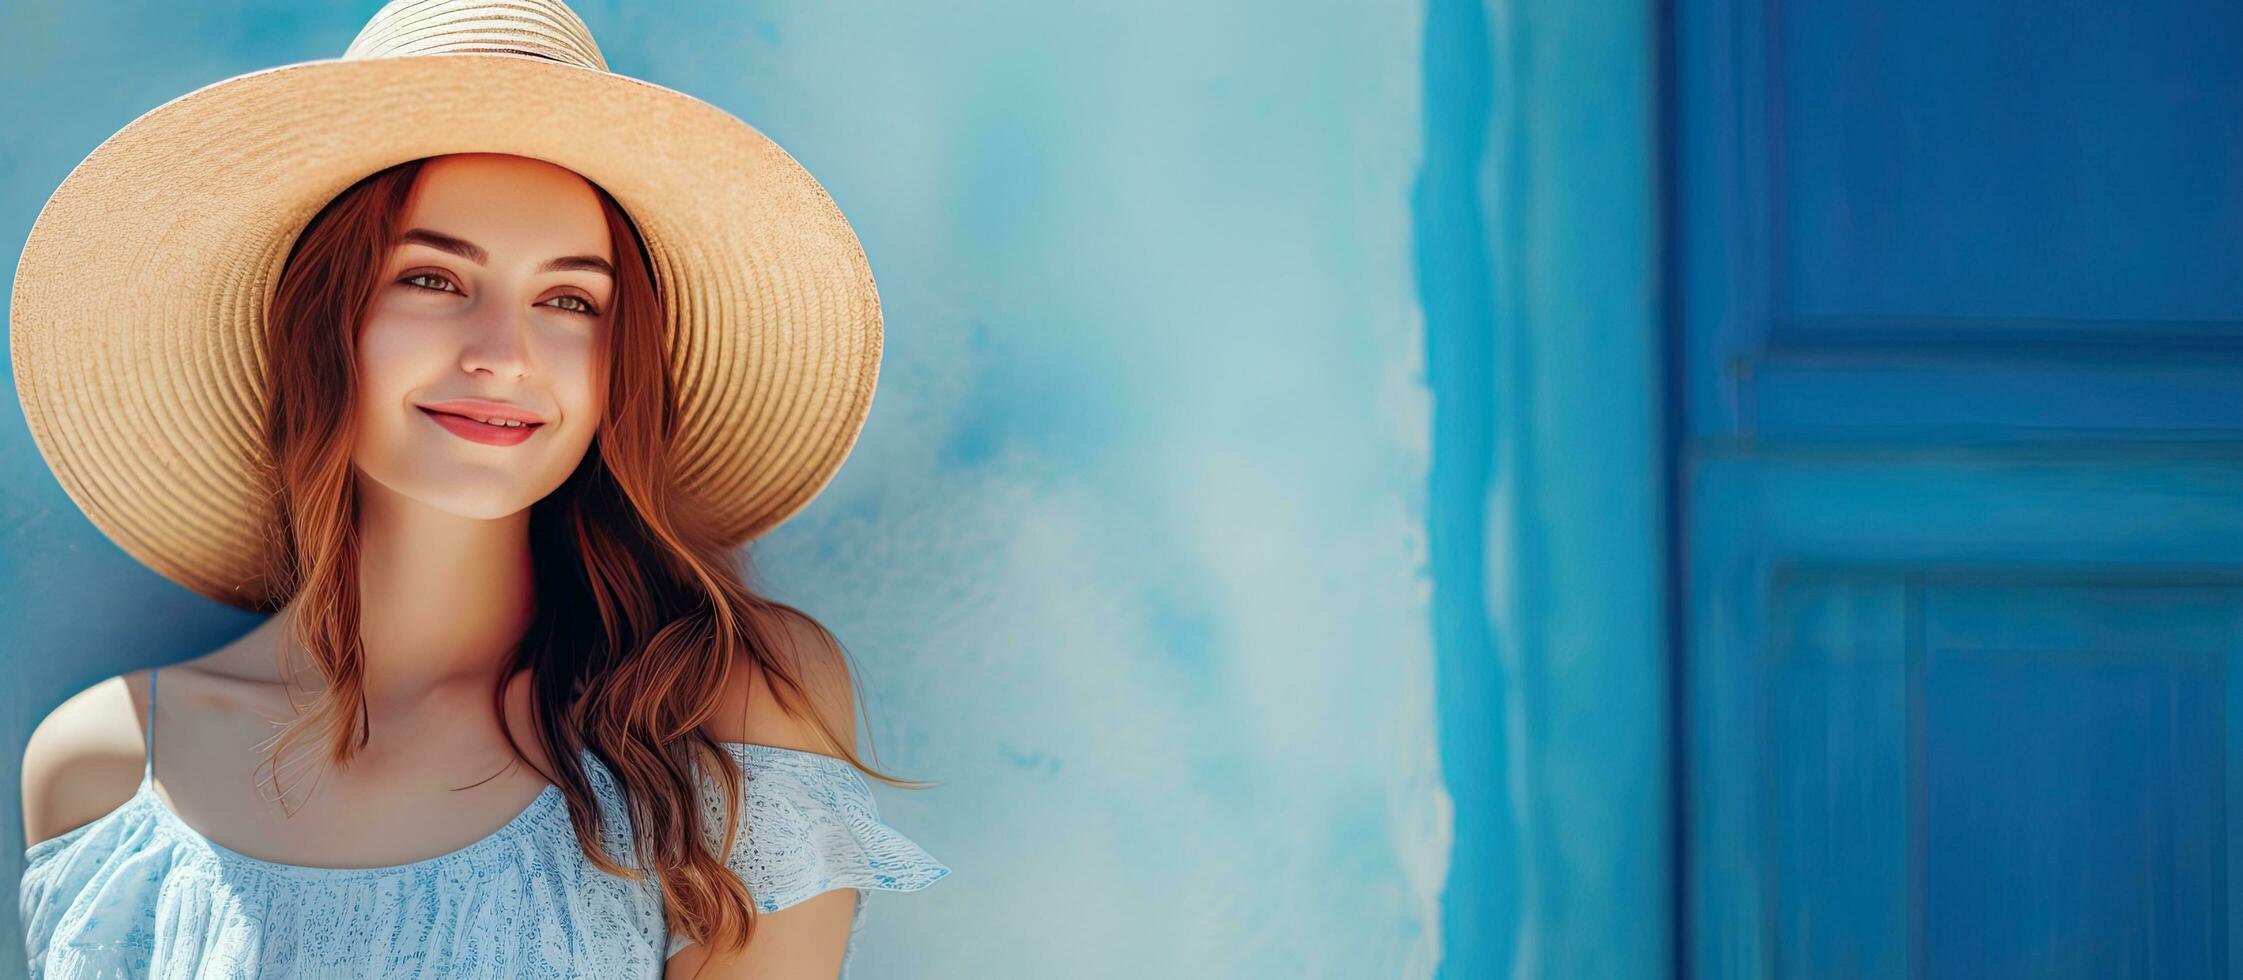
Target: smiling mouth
(483, 433)
(467, 418)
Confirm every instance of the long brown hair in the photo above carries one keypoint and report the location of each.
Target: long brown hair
(640, 612)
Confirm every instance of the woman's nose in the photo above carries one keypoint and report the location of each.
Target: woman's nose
(499, 341)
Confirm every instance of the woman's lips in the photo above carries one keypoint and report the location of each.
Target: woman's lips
(489, 435)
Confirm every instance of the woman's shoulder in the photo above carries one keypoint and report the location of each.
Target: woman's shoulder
(750, 708)
(86, 757)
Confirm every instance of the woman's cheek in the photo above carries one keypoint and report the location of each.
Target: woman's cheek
(385, 346)
(575, 372)
(393, 327)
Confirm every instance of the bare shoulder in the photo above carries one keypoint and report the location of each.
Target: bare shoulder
(84, 759)
(810, 937)
(752, 713)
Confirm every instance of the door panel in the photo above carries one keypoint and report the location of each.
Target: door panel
(2070, 755)
(1955, 715)
(2066, 742)
(1982, 221)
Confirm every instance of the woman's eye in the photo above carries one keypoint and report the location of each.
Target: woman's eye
(580, 301)
(432, 277)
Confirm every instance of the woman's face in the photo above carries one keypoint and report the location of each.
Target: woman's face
(497, 293)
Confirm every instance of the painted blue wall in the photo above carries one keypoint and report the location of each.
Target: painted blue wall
(1538, 228)
(1257, 527)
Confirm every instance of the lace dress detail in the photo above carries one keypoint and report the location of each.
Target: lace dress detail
(139, 893)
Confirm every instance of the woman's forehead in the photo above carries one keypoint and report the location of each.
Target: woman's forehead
(508, 207)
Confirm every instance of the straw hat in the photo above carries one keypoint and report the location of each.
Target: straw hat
(139, 305)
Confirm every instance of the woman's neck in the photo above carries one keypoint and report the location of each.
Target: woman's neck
(443, 599)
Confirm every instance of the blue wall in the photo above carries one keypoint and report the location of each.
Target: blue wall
(1538, 226)
(1257, 527)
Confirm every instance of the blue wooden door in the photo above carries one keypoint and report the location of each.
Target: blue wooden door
(1959, 302)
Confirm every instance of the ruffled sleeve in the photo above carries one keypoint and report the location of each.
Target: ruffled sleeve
(811, 826)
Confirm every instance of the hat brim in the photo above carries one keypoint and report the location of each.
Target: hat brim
(137, 320)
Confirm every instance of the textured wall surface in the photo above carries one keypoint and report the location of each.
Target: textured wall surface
(1133, 552)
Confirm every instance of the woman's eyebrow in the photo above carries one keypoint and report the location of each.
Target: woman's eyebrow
(475, 253)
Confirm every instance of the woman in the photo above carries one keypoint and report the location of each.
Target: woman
(507, 431)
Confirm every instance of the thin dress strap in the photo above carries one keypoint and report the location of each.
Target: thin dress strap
(148, 767)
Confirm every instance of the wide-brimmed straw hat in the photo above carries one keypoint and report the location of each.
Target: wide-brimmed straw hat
(139, 303)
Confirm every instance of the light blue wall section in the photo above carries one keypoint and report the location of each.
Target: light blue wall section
(1133, 550)
(1134, 546)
